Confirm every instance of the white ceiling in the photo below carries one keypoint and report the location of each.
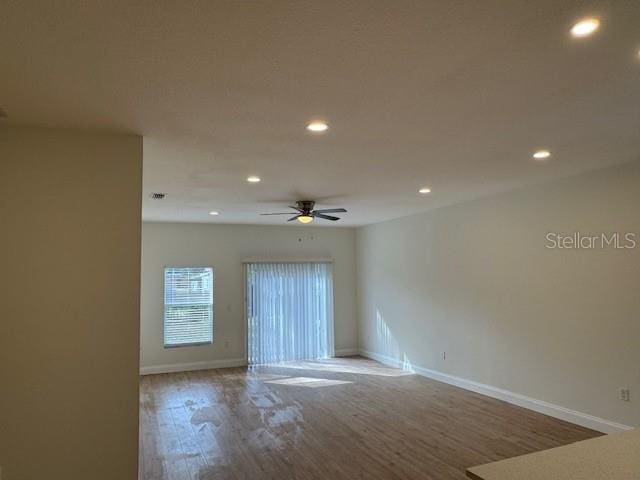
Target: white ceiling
(455, 95)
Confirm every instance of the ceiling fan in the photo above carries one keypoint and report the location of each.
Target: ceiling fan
(306, 213)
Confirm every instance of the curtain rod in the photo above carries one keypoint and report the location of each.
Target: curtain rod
(288, 260)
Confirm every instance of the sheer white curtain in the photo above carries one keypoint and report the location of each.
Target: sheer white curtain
(289, 311)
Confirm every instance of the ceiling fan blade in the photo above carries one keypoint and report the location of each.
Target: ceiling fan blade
(326, 217)
(284, 213)
(331, 210)
(295, 208)
(293, 218)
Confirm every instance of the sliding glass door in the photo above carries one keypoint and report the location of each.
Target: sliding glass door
(289, 311)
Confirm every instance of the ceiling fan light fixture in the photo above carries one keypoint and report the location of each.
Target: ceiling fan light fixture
(305, 219)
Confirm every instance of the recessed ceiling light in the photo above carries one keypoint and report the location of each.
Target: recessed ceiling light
(424, 190)
(317, 127)
(214, 213)
(585, 27)
(253, 179)
(541, 154)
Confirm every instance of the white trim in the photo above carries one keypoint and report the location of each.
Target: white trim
(287, 260)
(187, 367)
(540, 406)
(346, 352)
(245, 323)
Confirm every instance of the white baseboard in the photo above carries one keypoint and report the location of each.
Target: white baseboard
(187, 367)
(346, 352)
(556, 411)
(226, 363)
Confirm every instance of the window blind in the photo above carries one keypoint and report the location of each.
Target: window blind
(289, 311)
(188, 306)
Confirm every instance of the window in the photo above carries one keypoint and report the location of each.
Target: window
(188, 306)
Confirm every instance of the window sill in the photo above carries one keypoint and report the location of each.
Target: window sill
(197, 344)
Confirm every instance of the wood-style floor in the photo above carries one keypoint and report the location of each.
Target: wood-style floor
(335, 419)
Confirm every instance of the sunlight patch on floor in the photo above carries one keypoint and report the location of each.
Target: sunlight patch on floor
(340, 366)
(308, 382)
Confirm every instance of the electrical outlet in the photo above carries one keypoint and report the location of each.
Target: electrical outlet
(226, 345)
(444, 355)
(624, 394)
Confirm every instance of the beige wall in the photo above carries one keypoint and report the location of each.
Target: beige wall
(476, 281)
(224, 247)
(69, 289)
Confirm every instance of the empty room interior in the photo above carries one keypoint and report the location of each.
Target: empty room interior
(281, 239)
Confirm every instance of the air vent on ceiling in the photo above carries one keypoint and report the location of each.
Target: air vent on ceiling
(157, 195)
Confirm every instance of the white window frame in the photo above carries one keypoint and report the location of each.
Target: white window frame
(166, 305)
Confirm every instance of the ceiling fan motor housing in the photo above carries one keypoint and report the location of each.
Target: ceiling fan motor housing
(305, 205)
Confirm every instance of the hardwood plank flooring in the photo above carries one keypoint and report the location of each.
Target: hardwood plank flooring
(336, 419)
